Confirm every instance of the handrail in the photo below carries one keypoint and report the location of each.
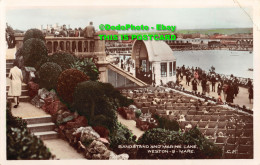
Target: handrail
(124, 73)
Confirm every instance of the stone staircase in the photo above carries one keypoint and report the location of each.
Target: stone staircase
(42, 127)
(24, 97)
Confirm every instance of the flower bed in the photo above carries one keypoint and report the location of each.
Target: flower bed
(92, 141)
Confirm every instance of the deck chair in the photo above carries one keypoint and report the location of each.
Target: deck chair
(212, 124)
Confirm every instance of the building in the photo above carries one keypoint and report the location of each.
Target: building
(154, 61)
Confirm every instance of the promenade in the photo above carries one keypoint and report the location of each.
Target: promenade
(241, 99)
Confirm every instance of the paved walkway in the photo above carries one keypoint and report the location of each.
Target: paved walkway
(26, 110)
(58, 147)
(241, 99)
(62, 150)
(130, 124)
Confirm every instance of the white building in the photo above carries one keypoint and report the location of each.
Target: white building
(154, 61)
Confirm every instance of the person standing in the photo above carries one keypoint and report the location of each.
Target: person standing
(213, 83)
(194, 85)
(188, 79)
(207, 88)
(16, 77)
(203, 85)
(236, 89)
(196, 76)
(89, 31)
(219, 88)
(225, 86)
(76, 32)
(251, 93)
(230, 93)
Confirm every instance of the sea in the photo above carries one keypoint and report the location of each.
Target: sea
(225, 61)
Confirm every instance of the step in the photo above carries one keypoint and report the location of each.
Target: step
(21, 98)
(24, 87)
(47, 135)
(41, 127)
(38, 120)
(24, 92)
(9, 65)
(10, 60)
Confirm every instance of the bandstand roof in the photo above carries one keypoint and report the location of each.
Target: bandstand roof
(157, 51)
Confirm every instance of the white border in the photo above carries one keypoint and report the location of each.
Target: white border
(15, 4)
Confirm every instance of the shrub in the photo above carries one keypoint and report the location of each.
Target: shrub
(90, 100)
(14, 121)
(122, 112)
(34, 52)
(63, 59)
(156, 136)
(87, 66)
(205, 149)
(159, 136)
(122, 136)
(49, 73)
(67, 82)
(164, 123)
(33, 33)
(85, 97)
(20, 143)
(107, 109)
(18, 53)
(114, 94)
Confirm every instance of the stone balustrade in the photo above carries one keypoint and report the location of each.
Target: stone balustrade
(80, 46)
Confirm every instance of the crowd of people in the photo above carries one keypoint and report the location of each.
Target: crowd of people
(228, 85)
(77, 32)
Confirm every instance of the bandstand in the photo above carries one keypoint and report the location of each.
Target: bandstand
(154, 62)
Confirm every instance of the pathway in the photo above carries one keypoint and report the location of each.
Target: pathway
(62, 150)
(131, 125)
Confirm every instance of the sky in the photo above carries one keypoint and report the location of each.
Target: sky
(182, 18)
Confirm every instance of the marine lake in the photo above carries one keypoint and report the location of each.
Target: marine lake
(225, 61)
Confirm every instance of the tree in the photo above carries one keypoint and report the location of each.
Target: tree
(49, 73)
(98, 102)
(34, 52)
(63, 59)
(67, 82)
(33, 33)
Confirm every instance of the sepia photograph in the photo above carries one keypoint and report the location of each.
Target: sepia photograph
(90, 81)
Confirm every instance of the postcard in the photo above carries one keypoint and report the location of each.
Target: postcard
(141, 81)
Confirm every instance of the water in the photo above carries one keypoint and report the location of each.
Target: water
(225, 62)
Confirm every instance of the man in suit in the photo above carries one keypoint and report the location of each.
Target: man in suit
(89, 31)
